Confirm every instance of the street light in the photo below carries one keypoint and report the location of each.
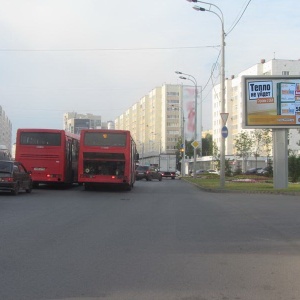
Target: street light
(194, 81)
(222, 83)
(182, 137)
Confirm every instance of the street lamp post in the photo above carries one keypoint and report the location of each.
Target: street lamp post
(183, 142)
(182, 121)
(194, 81)
(222, 83)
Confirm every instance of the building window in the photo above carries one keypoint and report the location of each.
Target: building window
(285, 73)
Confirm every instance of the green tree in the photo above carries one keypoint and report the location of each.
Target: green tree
(228, 167)
(189, 150)
(207, 145)
(243, 145)
(257, 143)
(267, 144)
(294, 167)
(216, 156)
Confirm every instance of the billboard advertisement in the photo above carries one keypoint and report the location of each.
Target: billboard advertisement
(188, 106)
(271, 101)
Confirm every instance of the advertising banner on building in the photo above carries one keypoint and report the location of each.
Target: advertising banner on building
(188, 105)
(271, 101)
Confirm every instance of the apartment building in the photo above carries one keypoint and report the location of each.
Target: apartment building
(74, 122)
(156, 121)
(5, 131)
(234, 105)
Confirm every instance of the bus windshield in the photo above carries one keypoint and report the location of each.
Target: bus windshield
(105, 139)
(40, 138)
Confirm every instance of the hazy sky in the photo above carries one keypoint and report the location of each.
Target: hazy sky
(102, 56)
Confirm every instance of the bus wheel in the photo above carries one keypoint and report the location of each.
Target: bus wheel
(35, 185)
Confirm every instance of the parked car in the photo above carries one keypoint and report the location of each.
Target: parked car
(14, 177)
(252, 171)
(199, 172)
(211, 171)
(266, 171)
(148, 173)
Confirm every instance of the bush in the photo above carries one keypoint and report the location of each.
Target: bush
(294, 167)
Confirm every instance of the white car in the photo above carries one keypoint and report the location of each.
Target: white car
(213, 172)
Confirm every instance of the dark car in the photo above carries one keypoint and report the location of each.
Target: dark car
(252, 171)
(266, 171)
(14, 177)
(148, 173)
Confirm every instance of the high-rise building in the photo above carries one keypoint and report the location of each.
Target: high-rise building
(74, 122)
(156, 121)
(5, 131)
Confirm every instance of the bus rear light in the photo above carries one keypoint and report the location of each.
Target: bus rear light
(53, 175)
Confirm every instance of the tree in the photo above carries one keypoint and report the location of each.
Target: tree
(267, 142)
(243, 144)
(207, 145)
(189, 150)
(216, 155)
(257, 138)
(294, 167)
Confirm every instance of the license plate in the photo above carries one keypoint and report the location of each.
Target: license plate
(39, 169)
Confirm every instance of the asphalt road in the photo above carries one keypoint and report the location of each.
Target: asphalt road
(163, 240)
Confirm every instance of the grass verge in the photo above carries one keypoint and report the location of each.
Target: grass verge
(243, 184)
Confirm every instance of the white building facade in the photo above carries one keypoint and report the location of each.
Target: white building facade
(5, 131)
(156, 121)
(74, 122)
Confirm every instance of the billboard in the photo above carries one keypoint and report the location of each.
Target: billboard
(271, 101)
(188, 107)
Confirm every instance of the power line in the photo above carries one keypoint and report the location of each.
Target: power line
(107, 49)
(238, 20)
(216, 63)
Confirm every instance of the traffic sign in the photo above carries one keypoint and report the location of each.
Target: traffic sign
(195, 144)
(224, 132)
(224, 117)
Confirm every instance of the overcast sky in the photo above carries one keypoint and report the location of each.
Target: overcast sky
(102, 56)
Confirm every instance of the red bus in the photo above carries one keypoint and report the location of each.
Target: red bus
(50, 154)
(106, 157)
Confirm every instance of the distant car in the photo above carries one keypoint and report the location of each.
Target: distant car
(266, 171)
(213, 172)
(14, 177)
(199, 172)
(148, 173)
(252, 171)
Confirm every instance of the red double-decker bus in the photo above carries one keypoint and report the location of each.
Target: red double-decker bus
(50, 154)
(107, 157)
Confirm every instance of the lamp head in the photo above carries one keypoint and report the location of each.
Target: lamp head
(182, 77)
(198, 8)
(177, 72)
(192, 0)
